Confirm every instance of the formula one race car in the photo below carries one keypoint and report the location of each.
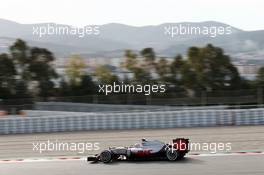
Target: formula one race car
(146, 150)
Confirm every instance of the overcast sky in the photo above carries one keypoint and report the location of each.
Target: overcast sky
(244, 14)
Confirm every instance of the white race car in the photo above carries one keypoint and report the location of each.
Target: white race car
(146, 150)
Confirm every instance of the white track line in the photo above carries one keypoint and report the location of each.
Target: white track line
(226, 154)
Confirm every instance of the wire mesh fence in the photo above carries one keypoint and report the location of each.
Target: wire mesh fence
(214, 98)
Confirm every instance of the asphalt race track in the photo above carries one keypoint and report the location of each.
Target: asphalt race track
(247, 138)
(217, 165)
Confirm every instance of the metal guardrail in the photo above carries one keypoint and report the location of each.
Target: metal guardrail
(134, 120)
(84, 107)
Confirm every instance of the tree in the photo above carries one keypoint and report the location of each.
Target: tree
(64, 88)
(41, 70)
(176, 66)
(21, 91)
(213, 69)
(33, 66)
(260, 77)
(131, 63)
(141, 76)
(188, 78)
(163, 70)
(148, 64)
(182, 77)
(7, 76)
(20, 54)
(87, 85)
(104, 75)
(75, 69)
(149, 55)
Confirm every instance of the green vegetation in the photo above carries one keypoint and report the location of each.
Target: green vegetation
(27, 72)
(75, 69)
(204, 69)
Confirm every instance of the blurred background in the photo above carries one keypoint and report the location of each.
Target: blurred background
(203, 76)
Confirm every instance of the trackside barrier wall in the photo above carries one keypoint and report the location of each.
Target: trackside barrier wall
(132, 120)
(84, 107)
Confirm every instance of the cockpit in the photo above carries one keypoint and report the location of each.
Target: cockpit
(154, 145)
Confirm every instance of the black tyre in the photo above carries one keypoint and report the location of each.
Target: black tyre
(106, 156)
(172, 155)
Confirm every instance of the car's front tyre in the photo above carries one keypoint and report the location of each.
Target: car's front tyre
(106, 156)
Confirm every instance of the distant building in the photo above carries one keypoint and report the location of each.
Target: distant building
(248, 71)
(60, 65)
(91, 63)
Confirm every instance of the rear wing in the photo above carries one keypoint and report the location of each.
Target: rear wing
(181, 144)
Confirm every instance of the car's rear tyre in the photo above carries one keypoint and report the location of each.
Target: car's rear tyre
(172, 155)
(106, 156)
